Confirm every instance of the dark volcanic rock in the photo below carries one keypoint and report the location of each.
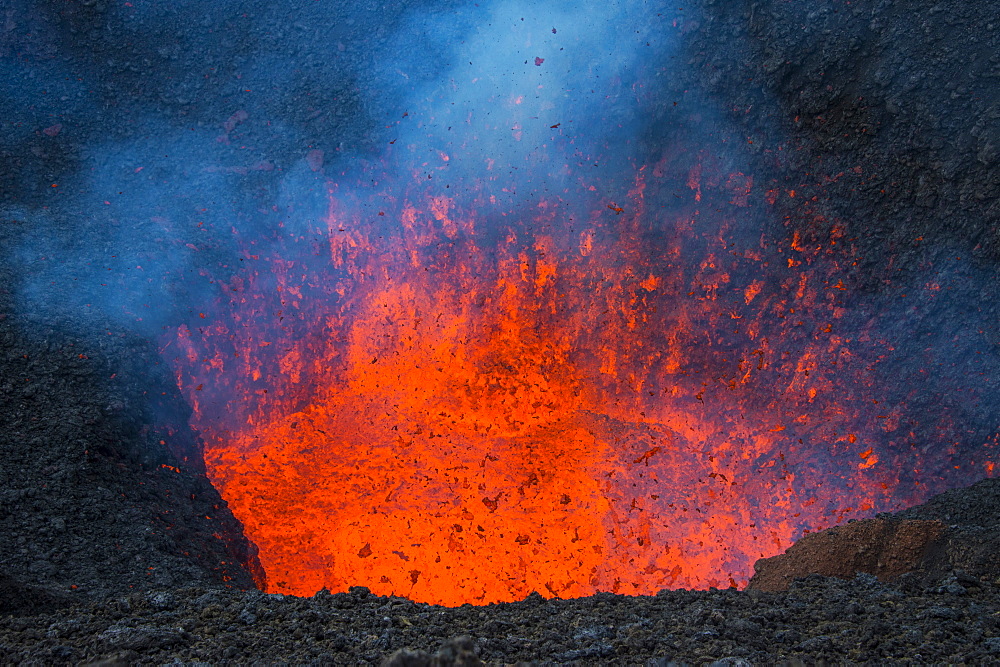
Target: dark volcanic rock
(857, 620)
(884, 547)
(971, 543)
(946, 617)
(956, 531)
(457, 652)
(17, 598)
(102, 488)
(896, 104)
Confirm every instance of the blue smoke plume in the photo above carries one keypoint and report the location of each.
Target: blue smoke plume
(217, 149)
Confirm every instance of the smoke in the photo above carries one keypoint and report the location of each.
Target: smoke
(138, 231)
(524, 87)
(147, 147)
(191, 137)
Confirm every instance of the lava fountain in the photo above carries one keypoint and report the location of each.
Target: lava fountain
(524, 351)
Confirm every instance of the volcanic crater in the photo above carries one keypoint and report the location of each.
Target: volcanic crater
(321, 345)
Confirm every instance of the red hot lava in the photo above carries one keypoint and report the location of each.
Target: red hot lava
(621, 384)
(450, 413)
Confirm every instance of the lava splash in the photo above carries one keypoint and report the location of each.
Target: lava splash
(481, 373)
(470, 425)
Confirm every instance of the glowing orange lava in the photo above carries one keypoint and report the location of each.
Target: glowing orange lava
(419, 403)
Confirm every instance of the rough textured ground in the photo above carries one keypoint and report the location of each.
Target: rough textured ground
(956, 619)
(90, 500)
(895, 105)
(894, 117)
(105, 554)
(885, 548)
(931, 614)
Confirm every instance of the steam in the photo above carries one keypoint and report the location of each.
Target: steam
(148, 207)
(527, 86)
(192, 179)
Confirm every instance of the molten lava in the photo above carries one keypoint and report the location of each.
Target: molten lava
(434, 409)
(524, 351)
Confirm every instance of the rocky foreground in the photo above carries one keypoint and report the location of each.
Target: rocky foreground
(932, 612)
(954, 619)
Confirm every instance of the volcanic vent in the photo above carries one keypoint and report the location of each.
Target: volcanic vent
(567, 333)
